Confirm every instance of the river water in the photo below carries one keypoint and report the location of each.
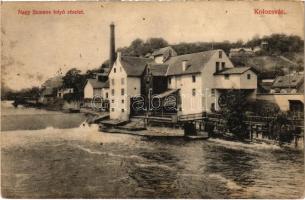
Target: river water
(59, 160)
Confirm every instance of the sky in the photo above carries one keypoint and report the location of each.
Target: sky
(35, 47)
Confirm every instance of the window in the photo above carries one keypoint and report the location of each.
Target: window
(106, 95)
(220, 54)
(122, 81)
(122, 91)
(112, 81)
(194, 92)
(112, 92)
(112, 101)
(248, 76)
(213, 92)
(194, 78)
(123, 101)
(169, 80)
(223, 65)
(114, 70)
(227, 76)
(123, 110)
(217, 66)
(112, 109)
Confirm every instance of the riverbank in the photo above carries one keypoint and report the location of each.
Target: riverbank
(137, 127)
(32, 119)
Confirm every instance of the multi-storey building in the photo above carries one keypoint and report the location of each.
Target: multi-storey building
(195, 82)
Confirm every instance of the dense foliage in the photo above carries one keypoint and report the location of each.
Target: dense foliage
(31, 93)
(262, 108)
(138, 47)
(277, 44)
(233, 110)
(74, 79)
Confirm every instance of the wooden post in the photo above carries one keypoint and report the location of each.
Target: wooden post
(296, 140)
(145, 125)
(257, 130)
(250, 130)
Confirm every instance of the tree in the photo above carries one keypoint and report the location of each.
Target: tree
(137, 47)
(156, 43)
(71, 78)
(140, 48)
(278, 43)
(232, 104)
(74, 79)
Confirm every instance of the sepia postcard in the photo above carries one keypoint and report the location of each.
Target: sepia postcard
(152, 100)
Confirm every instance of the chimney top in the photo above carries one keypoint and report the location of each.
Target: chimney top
(184, 65)
(119, 55)
(112, 24)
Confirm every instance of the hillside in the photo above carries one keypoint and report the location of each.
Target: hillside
(267, 63)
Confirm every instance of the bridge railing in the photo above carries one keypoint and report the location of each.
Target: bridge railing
(253, 119)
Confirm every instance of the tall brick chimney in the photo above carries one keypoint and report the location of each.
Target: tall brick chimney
(112, 45)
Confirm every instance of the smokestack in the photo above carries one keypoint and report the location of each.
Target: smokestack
(112, 45)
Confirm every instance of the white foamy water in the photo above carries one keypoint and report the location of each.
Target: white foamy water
(81, 162)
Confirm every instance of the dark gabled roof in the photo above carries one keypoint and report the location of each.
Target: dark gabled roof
(54, 82)
(269, 74)
(48, 91)
(134, 66)
(165, 51)
(96, 84)
(195, 61)
(107, 84)
(234, 70)
(51, 85)
(290, 80)
(158, 69)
